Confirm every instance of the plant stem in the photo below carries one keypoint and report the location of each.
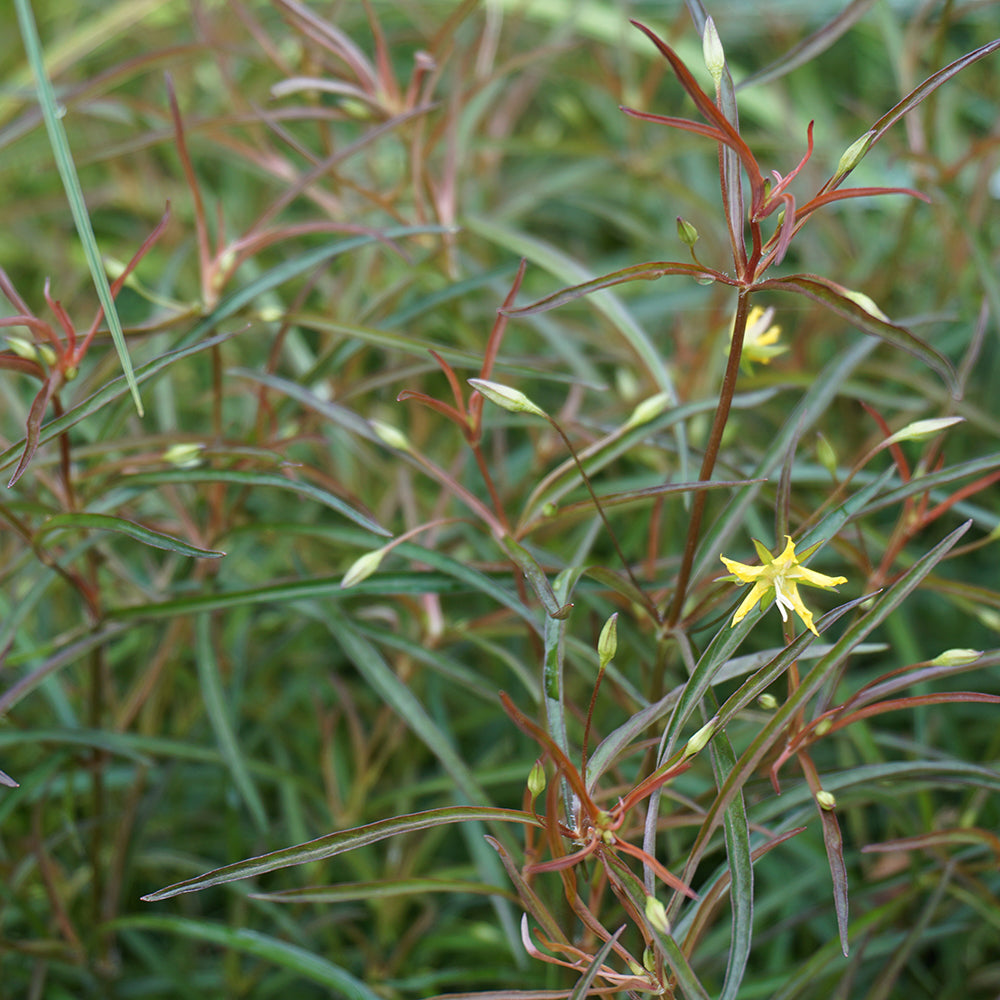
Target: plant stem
(711, 454)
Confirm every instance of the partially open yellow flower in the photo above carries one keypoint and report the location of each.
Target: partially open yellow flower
(778, 578)
(760, 341)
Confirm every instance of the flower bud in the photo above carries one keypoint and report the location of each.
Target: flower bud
(656, 914)
(699, 741)
(648, 409)
(362, 568)
(825, 800)
(767, 702)
(510, 399)
(715, 57)
(921, 429)
(825, 454)
(536, 780)
(389, 435)
(607, 644)
(687, 233)
(853, 155)
(956, 657)
(185, 455)
(30, 351)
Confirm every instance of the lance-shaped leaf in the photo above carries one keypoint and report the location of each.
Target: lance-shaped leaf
(105, 522)
(841, 301)
(339, 842)
(649, 271)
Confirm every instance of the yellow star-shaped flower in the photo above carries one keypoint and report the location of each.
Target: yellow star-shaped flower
(760, 341)
(778, 578)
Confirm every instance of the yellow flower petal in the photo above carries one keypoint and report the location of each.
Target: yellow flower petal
(779, 576)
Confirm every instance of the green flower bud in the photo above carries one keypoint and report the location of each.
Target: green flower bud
(853, 155)
(656, 914)
(767, 702)
(825, 454)
(536, 780)
(956, 657)
(509, 399)
(699, 741)
(715, 57)
(390, 436)
(185, 455)
(687, 232)
(30, 351)
(823, 726)
(825, 800)
(921, 429)
(362, 568)
(607, 644)
(648, 409)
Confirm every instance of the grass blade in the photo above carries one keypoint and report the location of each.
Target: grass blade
(339, 842)
(74, 193)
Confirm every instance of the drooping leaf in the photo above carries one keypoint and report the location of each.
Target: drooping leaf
(339, 842)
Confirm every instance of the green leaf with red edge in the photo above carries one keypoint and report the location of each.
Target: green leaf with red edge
(33, 427)
(531, 901)
(447, 411)
(802, 52)
(705, 104)
(348, 892)
(952, 837)
(907, 676)
(925, 89)
(341, 841)
(565, 766)
(913, 701)
(836, 298)
(637, 272)
(121, 525)
(838, 871)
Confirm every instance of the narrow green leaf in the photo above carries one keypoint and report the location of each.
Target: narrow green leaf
(341, 841)
(582, 989)
(299, 961)
(52, 115)
(535, 576)
(327, 587)
(349, 892)
(249, 479)
(737, 836)
(834, 297)
(217, 706)
(834, 842)
(105, 522)
(811, 46)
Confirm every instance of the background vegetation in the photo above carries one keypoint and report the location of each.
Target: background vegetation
(352, 186)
